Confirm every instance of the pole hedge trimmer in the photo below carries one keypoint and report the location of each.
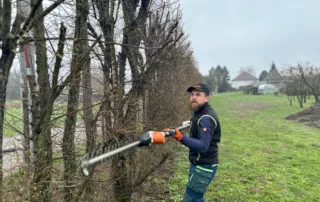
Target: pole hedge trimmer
(148, 138)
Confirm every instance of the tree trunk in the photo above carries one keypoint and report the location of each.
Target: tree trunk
(90, 123)
(7, 56)
(3, 85)
(79, 59)
(41, 191)
(122, 65)
(290, 99)
(122, 185)
(68, 147)
(300, 100)
(132, 34)
(6, 61)
(2, 104)
(43, 142)
(8, 46)
(26, 135)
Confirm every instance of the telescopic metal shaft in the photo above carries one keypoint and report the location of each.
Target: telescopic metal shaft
(86, 162)
(111, 153)
(121, 149)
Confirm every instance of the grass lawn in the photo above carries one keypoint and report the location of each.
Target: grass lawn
(262, 156)
(12, 122)
(13, 118)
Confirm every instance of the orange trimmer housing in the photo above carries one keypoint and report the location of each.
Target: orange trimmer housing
(158, 137)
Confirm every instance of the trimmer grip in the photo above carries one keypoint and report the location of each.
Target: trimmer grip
(169, 132)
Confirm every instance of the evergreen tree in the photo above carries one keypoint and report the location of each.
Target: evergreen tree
(218, 78)
(273, 66)
(263, 75)
(209, 80)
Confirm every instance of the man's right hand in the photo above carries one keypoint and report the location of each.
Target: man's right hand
(178, 135)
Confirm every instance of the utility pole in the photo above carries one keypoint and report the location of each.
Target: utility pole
(26, 56)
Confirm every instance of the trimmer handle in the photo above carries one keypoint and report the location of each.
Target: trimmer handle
(171, 132)
(156, 137)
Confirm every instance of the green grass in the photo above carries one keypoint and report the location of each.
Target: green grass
(12, 123)
(13, 118)
(262, 156)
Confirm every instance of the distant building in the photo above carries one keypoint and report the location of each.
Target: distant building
(243, 79)
(275, 79)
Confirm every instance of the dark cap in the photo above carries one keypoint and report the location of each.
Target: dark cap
(200, 87)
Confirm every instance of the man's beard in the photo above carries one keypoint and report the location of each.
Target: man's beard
(195, 106)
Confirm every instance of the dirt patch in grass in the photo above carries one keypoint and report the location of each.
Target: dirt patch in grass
(255, 107)
(243, 114)
(255, 189)
(310, 116)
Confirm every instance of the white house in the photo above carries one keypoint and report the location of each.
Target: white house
(243, 79)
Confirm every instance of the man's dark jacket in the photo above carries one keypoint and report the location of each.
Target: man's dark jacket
(210, 157)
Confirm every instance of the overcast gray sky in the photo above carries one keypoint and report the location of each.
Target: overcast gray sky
(239, 33)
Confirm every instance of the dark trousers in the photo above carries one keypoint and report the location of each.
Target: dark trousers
(200, 176)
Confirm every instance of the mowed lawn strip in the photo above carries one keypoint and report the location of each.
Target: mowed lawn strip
(263, 156)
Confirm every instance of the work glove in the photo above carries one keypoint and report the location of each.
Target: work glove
(177, 134)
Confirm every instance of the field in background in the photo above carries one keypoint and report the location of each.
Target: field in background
(262, 156)
(13, 117)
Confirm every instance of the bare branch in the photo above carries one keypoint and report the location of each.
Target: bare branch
(71, 76)
(6, 18)
(30, 22)
(31, 16)
(59, 56)
(95, 35)
(117, 13)
(100, 41)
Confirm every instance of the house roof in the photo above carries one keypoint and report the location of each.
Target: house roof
(273, 75)
(245, 76)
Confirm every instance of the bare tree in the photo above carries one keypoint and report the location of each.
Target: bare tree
(151, 38)
(311, 76)
(295, 86)
(144, 37)
(249, 69)
(9, 41)
(80, 60)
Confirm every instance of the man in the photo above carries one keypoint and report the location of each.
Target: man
(204, 135)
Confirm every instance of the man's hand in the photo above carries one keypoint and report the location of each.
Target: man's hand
(178, 135)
